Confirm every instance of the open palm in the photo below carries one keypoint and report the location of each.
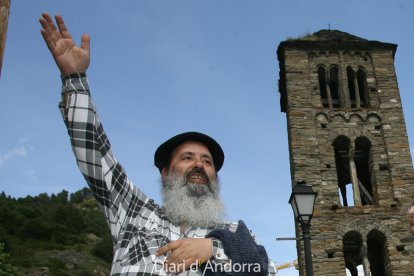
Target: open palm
(69, 57)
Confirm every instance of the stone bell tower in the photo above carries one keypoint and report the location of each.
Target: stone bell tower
(348, 139)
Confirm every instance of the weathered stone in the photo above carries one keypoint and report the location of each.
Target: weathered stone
(378, 123)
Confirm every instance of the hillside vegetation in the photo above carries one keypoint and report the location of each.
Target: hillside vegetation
(59, 234)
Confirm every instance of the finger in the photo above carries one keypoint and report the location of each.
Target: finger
(46, 32)
(163, 250)
(45, 25)
(168, 247)
(86, 43)
(62, 27)
(185, 265)
(47, 17)
(49, 42)
(178, 264)
(49, 27)
(177, 256)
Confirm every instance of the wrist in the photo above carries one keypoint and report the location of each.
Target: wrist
(72, 75)
(217, 251)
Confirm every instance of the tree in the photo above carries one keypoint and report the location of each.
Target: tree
(62, 197)
(81, 195)
(6, 269)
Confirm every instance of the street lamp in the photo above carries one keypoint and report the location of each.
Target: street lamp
(302, 200)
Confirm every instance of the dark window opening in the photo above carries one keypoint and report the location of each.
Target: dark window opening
(322, 86)
(341, 148)
(334, 86)
(363, 166)
(351, 85)
(354, 171)
(362, 87)
(377, 253)
(353, 251)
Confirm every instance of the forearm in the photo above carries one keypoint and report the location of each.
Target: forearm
(105, 176)
(88, 140)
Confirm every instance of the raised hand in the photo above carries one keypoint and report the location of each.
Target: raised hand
(68, 57)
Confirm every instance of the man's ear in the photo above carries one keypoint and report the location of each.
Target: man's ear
(164, 172)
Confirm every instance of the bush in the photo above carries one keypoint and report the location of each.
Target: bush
(57, 267)
(103, 249)
(31, 227)
(37, 229)
(6, 269)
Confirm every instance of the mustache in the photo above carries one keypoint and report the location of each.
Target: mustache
(199, 171)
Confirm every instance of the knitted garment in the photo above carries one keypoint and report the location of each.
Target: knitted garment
(241, 248)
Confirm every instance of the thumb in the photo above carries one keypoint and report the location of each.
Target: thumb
(85, 42)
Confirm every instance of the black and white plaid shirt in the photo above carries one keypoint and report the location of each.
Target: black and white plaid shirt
(138, 225)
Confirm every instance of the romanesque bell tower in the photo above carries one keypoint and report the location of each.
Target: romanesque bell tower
(348, 139)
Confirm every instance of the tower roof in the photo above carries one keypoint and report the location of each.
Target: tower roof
(325, 40)
(331, 35)
(335, 39)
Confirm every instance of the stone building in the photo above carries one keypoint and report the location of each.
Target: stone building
(348, 139)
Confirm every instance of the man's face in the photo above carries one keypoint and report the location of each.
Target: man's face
(193, 160)
(411, 214)
(190, 188)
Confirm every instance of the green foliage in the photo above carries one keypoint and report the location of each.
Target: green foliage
(37, 229)
(103, 248)
(61, 197)
(81, 195)
(57, 267)
(36, 224)
(6, 269)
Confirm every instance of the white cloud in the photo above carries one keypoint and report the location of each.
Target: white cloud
(15, 152)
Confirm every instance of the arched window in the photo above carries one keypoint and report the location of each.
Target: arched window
(352, 243)
(334, 86)
(354, 171)
(377, 253)
(341, 148)
(363, 164)
(351, 85)
(322, 86)
(362, 87)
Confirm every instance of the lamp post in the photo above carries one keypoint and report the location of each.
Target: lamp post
(302, 200)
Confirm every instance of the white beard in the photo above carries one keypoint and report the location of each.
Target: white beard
(191, 203)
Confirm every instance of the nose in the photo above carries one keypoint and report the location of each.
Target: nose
(198, 163)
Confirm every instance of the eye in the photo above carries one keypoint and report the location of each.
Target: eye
(186, 157)
(208, 161)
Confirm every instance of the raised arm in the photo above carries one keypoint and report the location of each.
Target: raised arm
(68, 57)
(120, 200)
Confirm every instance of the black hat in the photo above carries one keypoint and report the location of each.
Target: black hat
(163, 153)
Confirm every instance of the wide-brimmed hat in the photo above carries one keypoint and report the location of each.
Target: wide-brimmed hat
(163, 153)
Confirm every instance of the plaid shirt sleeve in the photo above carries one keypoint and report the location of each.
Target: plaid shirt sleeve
(104, 175)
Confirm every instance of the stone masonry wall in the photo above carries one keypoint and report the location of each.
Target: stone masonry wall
(312, 130)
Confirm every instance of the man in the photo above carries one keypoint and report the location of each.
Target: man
(411, 214)
(185, 236)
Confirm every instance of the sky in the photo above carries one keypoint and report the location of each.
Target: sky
(159, 68)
